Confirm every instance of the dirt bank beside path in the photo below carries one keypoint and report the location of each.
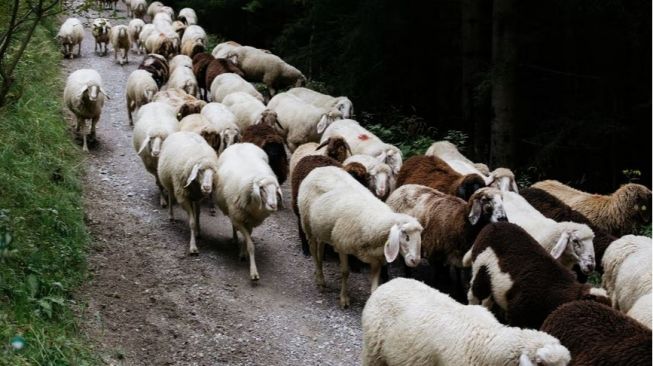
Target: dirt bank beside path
(148, 303)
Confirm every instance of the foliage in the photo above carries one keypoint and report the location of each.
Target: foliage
(42, 250)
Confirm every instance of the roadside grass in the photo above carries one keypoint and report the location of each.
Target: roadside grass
(42, 234)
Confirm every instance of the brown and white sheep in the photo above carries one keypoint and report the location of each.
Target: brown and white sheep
(202, 126)
(335, 147)
(618, 213)
(598, 335)
(272, 142)
(100, 29)
(158, 66)
(433, 172)
(120, 41)
(514, 271)
(183, 103)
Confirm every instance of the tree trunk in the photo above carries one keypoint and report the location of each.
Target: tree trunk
(476, 53)
(504, 77)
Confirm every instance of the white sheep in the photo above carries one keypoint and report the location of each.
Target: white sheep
(140, 90)
(265, 67)
(448, 152)
(84, 96)
(162, 20)
(382, 181)
(334, 208)
(567, 241)
(193, 40)
(406, 322)
(135, 27)
(222, 49)
(146, 31)
(224, 122)
(343, 104)
(120, 41)
(168, 10)
(138, 8)
(154, 8)
(188, 16)
(187, 171)
(248, 192)
(155, 122)
(362, 141)
(70, 34)
(183, 78)
(180, 60)
(100, 29)
(249, 110)
(225, 84)
(627, 274)
(301, 122)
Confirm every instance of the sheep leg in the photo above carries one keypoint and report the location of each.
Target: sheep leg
(162, 197)
(375, 274)
(126, 55)
(253, 272)
(171, 215)
(84, 146)
(79, 49)
(188, 207)
(212, 210)
(234, 234)
(93, 123)
(115, 55)
(344, 276)
(196, 212)
(78, 124)
(317, 259)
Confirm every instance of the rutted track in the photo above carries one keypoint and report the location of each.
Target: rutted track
(148, 303)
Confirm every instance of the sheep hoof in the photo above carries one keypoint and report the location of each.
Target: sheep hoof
(193, 251)
(344, 302)
(254, 276)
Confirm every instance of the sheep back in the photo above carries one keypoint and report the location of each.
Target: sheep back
(598, 335)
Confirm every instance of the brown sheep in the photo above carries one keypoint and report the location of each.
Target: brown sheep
(433, 172)
(450, 226)
(200, 63)
(220, 66)
(336, 148)
(271, 141)
(156, 65)
(514, 271)
(183, 103)
(618, 213)
(595, 334)
(304, 167)
(557, 210)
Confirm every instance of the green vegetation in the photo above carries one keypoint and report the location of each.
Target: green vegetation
(42, 232)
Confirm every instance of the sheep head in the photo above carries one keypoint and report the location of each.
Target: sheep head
(405, 237)
(269, 118)
(486, 205)
(380, 180)
(548, 355)
(229, 137)
(637, 201)
(345, 107)
(190, 107)
(267, 192)
(203, 176)
(229, 65)
(91, 92)
(504, 179)
(576, 240)
(469, 184)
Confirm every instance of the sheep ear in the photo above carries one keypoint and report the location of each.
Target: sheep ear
(561, 245)
(323, 144)
(514, 187)
(259, 119)
(475, 213)
(144, 144)
(279, 198)
(256, 193)
(193, 175)
(391, 247)
(524, 360)
(322, 125)
(489, 179)
(105, 93)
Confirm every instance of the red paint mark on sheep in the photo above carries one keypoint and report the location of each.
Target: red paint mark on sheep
(363, 137)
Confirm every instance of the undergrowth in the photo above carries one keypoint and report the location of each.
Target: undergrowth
(42, 233)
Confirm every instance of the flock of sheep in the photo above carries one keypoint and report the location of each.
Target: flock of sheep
(520, 259)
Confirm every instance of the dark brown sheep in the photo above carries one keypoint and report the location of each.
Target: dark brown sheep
(521, 277)
(553, 208)
(597, 335)
(200, 63)
(433, 172)
(272, 142)
(156, 65)
(220, 66)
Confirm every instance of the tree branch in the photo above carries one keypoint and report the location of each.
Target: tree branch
(6, 38)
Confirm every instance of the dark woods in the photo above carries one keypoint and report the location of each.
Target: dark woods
(557, 88)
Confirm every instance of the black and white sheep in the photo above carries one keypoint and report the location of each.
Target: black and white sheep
(511, 269)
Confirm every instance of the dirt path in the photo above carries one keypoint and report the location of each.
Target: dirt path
(148, 303)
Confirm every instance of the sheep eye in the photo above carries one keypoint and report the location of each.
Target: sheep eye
(407, 237)
(643, 208)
